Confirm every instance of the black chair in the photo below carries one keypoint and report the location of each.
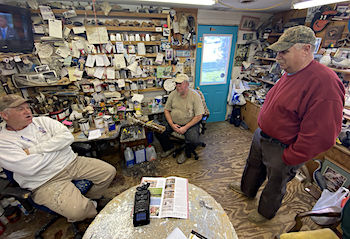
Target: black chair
(181, 138)
(24, 197)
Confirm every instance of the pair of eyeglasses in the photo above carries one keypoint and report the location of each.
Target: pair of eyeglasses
(178, 83)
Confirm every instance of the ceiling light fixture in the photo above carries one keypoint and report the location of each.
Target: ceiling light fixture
(314, 3)
(191, 2)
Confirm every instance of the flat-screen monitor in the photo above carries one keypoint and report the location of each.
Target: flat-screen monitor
(16, 33)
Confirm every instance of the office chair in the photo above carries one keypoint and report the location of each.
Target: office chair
(202, 129)
(23, 196)
(329, 232)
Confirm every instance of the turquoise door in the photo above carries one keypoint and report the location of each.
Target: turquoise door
(214, 61)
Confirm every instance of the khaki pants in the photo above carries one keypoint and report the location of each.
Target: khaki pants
(61, 196)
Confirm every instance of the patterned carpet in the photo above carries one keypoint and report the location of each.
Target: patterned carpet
(220, 162)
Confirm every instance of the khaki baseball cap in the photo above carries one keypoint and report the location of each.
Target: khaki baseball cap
(10, 101)
(181, 78)
(293, 35)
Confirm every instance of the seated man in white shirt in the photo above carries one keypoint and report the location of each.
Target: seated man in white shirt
(37, 150)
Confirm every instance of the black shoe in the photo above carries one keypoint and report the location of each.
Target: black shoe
(101, 203)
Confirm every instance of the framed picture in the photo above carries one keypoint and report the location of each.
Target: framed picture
(342, 52)
(166, 32)
(333, 34)
(317, 44)
(249, 23)
(248, 36)
(335, 175)
(343, 8)
(42, 68)
(169, 54)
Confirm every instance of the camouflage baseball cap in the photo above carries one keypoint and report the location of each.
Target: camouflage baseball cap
(293, 35)
(10, 101)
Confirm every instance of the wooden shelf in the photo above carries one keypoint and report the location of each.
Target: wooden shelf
(8, 55)
(147, 43)
(122, 29)
(267, 59)
(265, 81)
(345, 71)
(275, 35)
(142, 78)
(151, 89)
(111, 14)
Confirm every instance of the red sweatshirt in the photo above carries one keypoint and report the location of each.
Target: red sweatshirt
(304, 110)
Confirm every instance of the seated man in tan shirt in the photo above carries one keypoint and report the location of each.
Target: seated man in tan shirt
(183, 110)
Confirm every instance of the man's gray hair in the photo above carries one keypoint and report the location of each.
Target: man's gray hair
(7, 110)
(298, 46)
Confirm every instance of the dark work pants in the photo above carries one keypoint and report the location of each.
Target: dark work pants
(191, 139)
(265, 159)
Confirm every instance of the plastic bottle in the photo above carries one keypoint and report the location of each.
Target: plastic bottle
(151, 153)
(14, 202)
(3, 219)
(129, 157)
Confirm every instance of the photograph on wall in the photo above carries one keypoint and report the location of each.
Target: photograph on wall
(248, 36)
(242, 53)
(169, 54)
(332, 35)
(317, 44)
(249, 23)
(342, 8)
(311, 11)
(334, 175)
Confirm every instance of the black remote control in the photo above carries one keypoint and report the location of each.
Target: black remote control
(141, 205)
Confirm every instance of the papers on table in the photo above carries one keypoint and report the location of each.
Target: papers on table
(94, 134)
(176, 234)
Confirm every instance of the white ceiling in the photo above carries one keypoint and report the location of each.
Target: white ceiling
(258, 4)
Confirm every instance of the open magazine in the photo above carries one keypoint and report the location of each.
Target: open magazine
(169, 197)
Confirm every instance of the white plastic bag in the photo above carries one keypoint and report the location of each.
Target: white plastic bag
(236, 89)
(329, 199)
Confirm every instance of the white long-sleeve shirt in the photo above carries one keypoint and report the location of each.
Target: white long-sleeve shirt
(48, 142)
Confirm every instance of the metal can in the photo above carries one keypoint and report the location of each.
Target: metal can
(111, 126)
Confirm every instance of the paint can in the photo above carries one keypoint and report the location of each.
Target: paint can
(111, 126)
(84, 125)
(107, 119)
(99, 122)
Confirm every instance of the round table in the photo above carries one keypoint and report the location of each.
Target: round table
(115, 220)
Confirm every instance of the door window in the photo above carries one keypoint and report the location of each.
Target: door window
(215, 59)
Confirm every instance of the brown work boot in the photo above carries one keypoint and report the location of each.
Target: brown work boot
(167, 153)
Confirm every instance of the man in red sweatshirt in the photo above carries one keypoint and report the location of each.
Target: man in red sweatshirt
(301, 117)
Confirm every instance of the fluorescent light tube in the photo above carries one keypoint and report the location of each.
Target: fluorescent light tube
(314, 3)
(191, 2)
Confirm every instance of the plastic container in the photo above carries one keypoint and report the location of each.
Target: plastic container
(16, 203)
(129, 157)
(2, 228)
(3, 219)
(151, 154)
